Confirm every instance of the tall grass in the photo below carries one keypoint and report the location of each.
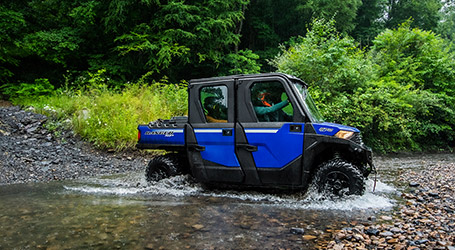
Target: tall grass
(107, 117)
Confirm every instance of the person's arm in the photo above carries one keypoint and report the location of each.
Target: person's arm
(266, 110)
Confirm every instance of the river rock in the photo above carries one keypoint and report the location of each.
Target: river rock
(297, 230)
(309, 237)
(386, 234)
(385, 217)
(372, 231)
(197, 226)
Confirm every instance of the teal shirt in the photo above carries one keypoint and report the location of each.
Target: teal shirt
(273, 108)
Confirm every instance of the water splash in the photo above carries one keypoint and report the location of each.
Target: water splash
(181, 186)
(135, 183)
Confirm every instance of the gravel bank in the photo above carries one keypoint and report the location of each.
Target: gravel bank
(31, 153)
(424, 218)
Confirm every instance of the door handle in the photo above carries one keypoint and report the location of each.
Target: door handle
(295, 128)
(227, 132)
(198, 148)
(248, 147)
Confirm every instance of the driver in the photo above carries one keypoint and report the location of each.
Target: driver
(268, 107)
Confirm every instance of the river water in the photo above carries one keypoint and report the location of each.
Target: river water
(124, 211)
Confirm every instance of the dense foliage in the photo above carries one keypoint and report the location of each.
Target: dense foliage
(366, 68)
(400, 93)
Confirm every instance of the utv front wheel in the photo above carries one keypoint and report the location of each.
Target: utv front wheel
(160, 167)
(339, 178)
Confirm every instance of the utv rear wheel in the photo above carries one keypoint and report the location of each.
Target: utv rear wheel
(160, 167)
(339, 178)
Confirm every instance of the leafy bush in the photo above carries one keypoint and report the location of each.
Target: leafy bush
(109, 117)
(330, 62)
(40, 87)
(399, 94)
(422, 61)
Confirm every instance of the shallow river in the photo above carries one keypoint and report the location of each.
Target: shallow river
(124, 211)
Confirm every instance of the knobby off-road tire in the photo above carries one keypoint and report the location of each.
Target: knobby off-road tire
(339, 178)
(163, 166)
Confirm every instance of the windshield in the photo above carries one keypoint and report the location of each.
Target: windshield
(309, 103)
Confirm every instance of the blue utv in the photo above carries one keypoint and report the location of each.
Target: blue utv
(260, 130)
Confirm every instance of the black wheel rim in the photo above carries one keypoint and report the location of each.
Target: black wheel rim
(337, 183)
(158, 174)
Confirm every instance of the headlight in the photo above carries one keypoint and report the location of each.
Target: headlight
(343, 134)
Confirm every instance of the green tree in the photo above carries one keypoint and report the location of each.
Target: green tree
(242, 62)
(11, 25)
(369, 21)
(181, 39)
(181, 33)
(268, 23)
(343, 12)
(446, 26)
(54, 38)
(414, 56)
(425, 13)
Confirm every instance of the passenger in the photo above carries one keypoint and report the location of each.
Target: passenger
(215, 111)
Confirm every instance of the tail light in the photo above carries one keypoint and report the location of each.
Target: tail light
(138, 135)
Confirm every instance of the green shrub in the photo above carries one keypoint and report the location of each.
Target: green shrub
(330, 62)
(400, 94)
(40, 87)
(423, 61)
(109, 117)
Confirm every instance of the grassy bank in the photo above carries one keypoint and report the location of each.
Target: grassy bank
(108, 117)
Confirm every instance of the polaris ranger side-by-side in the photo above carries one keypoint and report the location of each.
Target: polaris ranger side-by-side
(260, 130)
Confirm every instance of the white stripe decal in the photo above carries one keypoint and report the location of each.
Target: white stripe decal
(208, 131)
(267, 131)
(168, 130)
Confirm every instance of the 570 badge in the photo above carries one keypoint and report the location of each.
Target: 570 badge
(166, 133)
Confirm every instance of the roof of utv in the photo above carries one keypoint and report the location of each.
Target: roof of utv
(243, 76)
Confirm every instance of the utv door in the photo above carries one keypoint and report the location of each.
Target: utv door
(210, 132)
(269, 141)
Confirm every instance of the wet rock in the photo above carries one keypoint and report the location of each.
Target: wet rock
(296, 230)
(340, 236)
(372, 231)
(420, 242)
(386, 234)
(423, 221)
(338, 246)
(386, 217)
(197, 226)
(359, 237)
(392, 241)
(309, 237)
(414, 184)
(433, 194)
